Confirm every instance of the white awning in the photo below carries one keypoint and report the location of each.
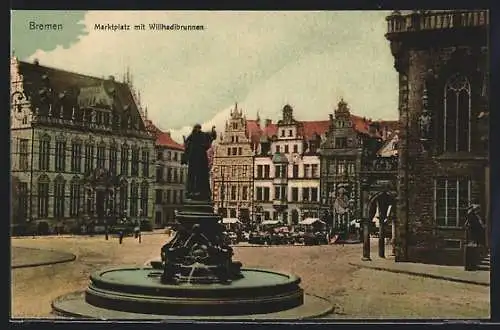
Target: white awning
(230, 220)
(310, 221)
(270, 222)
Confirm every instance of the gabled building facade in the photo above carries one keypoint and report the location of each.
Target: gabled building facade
(287, 168)
(80, 150)
(232, 169)
(351, 141)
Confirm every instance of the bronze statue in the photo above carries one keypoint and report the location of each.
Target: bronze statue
(195, 156)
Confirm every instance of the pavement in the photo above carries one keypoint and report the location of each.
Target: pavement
(448, 273)
(22, 257)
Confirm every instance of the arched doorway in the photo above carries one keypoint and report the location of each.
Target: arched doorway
(381, 214)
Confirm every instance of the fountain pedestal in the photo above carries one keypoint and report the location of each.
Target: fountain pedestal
(196, 279)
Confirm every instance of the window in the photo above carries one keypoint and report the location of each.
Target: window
(235, 125)
(315, 171)
(244, 193)
(113, 160)
(22, 211)
(175, 175)
(282, 132)
(43, 198)
(159, 155)
(168, 194)
(175, 156)
(244, 170)
(44, 154)
(89, 158)
(145, 163)
(340, 142)
(295, 194)
(59, 198)
(295, 171)
(351, 167)
(457, 114)
(158, 196)
(280, 171)
(233, 171)
(124, 197)
(124, 160)
(134, 196)
(451, 198)
(76, 157)
(340, 168)
(305, 194)
(307, 170)
(236, 139)
(144, 198)
(134, 168)
(181, 175)
(280, 193)
(74, 199)
(233, 193)
(267, 171)
(267, 194)
(159, 173)
(169, 174)
(290, 132)
(259, 194)
(234, 151)
(260, 171)
(314, 194)
(101, 156)
(232, 139)
(174, 196)
(286, 149)
(229, 151)
(277, 149)
(23, 154)
(295, 148)
(169, 155)
(240, 151)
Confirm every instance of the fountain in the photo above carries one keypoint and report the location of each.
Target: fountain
(196, 277)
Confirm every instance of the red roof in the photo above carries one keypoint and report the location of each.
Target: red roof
(163, 139)
(309, 128)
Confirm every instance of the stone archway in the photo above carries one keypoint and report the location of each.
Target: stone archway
(381, 211)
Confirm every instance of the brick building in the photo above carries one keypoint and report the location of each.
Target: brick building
(442, 61)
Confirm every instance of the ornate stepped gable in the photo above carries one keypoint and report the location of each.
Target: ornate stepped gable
(71, 91)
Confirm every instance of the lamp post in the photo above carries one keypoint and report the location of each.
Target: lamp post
(106, 220)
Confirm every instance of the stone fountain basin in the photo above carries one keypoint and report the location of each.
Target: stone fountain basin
(137, 293)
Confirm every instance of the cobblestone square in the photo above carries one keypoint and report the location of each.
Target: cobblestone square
(325, 271)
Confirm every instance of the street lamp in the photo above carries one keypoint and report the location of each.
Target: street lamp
(106, 220)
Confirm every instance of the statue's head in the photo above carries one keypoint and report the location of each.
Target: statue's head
(197, 128)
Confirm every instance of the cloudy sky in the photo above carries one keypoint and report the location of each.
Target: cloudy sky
(262, 60)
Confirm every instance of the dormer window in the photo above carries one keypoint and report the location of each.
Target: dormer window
(290, 132)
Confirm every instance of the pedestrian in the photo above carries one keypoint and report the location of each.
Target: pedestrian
(120, 236)
(137, 231)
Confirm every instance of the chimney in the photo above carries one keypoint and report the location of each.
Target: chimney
(112, 78)
(36, 61)
(268, 122)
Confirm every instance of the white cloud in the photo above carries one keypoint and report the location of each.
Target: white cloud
(260, 59)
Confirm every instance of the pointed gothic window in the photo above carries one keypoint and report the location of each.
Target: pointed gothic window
(457, 114)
